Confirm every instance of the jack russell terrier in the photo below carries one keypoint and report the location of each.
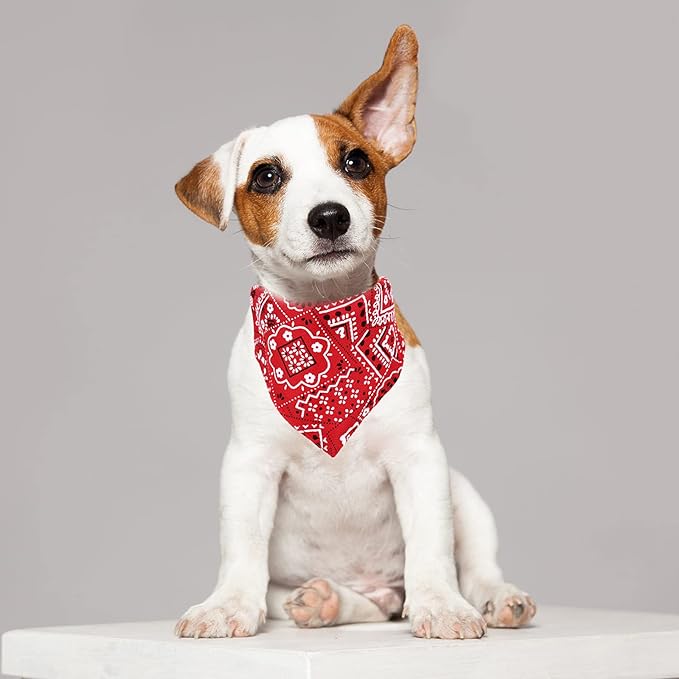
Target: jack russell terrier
(326, 363)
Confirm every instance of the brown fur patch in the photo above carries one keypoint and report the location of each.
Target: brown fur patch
(338, 135)
(201, 191)
(259, 213)
(406, 329)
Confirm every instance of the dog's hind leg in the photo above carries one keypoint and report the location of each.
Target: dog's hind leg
(320, 602)
(481, 583)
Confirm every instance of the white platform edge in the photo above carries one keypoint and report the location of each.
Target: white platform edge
(610, 644)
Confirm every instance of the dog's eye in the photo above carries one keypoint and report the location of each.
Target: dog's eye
(266, 179)
(356, 164)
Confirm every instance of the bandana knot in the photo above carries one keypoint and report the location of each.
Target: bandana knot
(327, 366)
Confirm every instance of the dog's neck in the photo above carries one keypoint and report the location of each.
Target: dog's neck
(316, 291)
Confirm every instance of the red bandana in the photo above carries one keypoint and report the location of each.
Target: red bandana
(327, 366)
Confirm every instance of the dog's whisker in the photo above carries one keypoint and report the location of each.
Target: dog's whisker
(405, 209)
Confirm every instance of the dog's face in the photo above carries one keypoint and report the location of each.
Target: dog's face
(310, 191)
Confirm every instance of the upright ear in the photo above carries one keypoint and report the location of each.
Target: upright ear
(209, 188)
(382, 107)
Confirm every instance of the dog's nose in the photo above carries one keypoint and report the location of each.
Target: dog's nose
(329, 220)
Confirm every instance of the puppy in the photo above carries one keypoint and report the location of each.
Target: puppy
(384, 528)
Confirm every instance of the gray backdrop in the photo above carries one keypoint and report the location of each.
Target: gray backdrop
(535, 254)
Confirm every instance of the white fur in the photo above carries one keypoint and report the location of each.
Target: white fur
(377, 516)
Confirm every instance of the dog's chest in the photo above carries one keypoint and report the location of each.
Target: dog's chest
(337, 517)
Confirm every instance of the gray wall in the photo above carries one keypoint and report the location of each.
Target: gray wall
(536, 256)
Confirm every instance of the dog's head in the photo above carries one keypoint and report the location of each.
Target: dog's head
(310, 191)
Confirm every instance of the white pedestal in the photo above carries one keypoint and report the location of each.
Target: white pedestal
(565, 642)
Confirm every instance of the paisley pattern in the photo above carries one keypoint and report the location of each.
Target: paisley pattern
(327, 366)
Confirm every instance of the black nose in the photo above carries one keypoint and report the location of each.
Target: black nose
(329, 220)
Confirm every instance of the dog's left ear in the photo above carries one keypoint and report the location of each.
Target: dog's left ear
(209, 188)
(382, 107)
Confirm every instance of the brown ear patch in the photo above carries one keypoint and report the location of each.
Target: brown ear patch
(338, 136)
(201, 191)
(382, 107)
(259, 213)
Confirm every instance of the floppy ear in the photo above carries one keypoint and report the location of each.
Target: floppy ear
(209, 188)
(382, 107)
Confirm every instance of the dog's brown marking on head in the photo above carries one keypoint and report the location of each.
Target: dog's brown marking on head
(338, 136)
(382, 107)
(259, 213)
(201, 191)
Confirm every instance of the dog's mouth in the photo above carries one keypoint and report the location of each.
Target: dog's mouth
(332, 256)
(326, 262)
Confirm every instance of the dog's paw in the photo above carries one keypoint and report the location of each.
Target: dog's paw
(231, 619)
(314, 604)
(508, 606)
(445, 618)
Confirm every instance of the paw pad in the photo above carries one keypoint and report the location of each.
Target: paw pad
(314, 604)
(514, 610)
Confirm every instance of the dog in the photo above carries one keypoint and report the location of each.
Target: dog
(384, 528)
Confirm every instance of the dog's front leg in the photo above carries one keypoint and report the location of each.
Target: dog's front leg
(249, 491)
(418, 471)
